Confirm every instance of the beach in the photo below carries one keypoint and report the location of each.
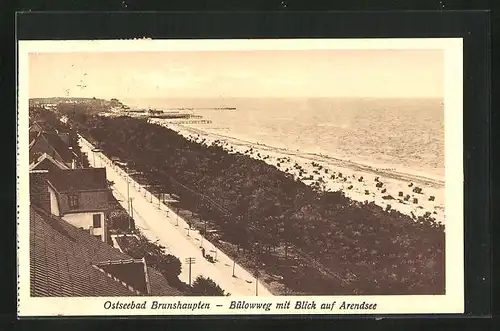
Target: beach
(412, 194)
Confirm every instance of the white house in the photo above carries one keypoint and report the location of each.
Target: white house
(80, 197)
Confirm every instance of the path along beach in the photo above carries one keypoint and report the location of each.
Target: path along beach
(160, 224)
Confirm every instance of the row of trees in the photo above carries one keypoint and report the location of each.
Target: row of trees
(118, 219)
(253, 202)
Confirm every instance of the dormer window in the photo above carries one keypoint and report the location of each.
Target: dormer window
(73, 201)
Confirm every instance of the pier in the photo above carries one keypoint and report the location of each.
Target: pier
(191, 122)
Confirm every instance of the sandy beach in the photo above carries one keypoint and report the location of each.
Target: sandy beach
(411, 194)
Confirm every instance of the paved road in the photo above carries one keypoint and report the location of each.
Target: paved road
(159, 223)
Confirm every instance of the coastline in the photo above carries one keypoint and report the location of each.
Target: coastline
(360, 182)
(422, 177)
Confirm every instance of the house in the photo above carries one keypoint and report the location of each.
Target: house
(68, 262)
(40, 126)
(52, 144)
(44, 138)
(47, 162)
(79, 196)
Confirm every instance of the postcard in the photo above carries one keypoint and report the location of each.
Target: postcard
(240, 177)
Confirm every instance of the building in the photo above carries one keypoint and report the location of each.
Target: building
(50, 143)
(45, 139)
(66, 261)
(40, 126)
(64, 119)
(79, 196)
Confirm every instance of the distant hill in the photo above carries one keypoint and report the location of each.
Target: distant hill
(92, 104)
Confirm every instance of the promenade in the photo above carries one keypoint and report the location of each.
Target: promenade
(160, 223)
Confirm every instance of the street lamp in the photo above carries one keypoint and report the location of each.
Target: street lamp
(128, 194)
(187, 231)
(256, 274)
(131, 213)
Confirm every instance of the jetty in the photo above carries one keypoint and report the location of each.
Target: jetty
(204, 108)
(191, 122)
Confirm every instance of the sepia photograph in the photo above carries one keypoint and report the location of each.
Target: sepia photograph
(324, 172)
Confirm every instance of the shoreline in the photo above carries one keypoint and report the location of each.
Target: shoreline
(363, 183)
(426, 178)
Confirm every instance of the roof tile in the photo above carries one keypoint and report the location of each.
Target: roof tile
(61, 262)
(81, 179)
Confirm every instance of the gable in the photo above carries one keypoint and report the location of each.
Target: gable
(46, 162)
(132, 272)
(42, 146)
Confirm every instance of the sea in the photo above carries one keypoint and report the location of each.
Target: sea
(406, 135)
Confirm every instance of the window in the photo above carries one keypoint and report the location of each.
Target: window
(97, 221)
(73, 201)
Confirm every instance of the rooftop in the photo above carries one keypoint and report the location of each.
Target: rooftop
(67, 261)
(47, 162)
(130, 271)
(60, 146)
(41, 125)
(55, 141)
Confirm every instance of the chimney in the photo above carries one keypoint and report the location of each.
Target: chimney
(39, 190)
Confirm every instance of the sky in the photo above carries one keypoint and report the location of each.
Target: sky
(179, 74)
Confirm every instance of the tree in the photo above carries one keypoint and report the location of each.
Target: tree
(168, 264)
(206, 287)
(249, 198)
(120, 220)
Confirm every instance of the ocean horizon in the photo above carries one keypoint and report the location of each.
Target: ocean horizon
(405, 135)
